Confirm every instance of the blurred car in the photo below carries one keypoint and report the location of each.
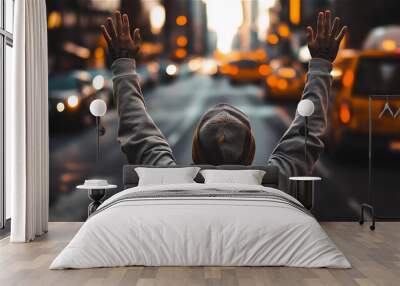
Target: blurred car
(383, 38)
(205, 66)
(246, 71)
(210, 67)
(69, 98)
(342, 62)
(363, 74)
(286, 81)
(185, 70)
(224, 59)
(147, 78)
(195, 64)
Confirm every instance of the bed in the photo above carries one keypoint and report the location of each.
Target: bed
(198, 224)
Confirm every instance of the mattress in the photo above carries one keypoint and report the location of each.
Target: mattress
(201, 225)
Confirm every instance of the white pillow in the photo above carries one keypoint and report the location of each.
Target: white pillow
(166, 176)
(247, 177)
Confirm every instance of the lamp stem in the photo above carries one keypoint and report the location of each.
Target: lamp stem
(305, 140)
(98, 138)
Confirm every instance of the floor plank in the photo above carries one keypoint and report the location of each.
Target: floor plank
(375, 257)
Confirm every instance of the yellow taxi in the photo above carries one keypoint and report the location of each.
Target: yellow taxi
(357, 76)
(286, 81)
(243, 66)
(246, 71)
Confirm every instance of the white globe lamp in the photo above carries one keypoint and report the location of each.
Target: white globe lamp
(305, 108)
(98, 109)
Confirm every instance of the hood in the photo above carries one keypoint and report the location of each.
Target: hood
(223, 136)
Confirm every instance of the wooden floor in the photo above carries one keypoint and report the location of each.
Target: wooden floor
(375, 257)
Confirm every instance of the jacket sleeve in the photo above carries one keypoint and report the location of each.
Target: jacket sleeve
(289, 153)
(140, 139)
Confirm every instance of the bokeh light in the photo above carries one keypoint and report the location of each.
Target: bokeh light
(60, 107)
(171, 69)
(181, 41)
(54, 20)
(389, 45)
(181, 20)
(73, 101)
(272, 39)
(98, 82)
(157, 18)
(180, 53)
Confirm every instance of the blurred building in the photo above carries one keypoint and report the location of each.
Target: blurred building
(300, 13)
(75, 40)
(287, 31)
(362, 16)
(198, 40)
(185, 29)
(247, 38)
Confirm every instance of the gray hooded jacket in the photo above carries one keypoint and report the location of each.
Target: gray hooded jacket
(143, 143)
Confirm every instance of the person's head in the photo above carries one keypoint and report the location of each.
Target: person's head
(223, 136)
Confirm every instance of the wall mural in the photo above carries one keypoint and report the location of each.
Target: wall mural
(256, 60)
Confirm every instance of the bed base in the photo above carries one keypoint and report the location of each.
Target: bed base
(365, 207)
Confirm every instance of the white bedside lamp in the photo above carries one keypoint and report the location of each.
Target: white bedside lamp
(305, 108)
(98, 108)
(305, 184)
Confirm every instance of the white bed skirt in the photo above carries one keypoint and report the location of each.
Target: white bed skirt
(201, 232)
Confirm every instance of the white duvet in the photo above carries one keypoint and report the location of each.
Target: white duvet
(190, 231)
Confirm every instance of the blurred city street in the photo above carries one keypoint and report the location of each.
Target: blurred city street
(176, 108)
(254, 56)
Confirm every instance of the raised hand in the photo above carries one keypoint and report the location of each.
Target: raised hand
(325, 44)
(121, 44)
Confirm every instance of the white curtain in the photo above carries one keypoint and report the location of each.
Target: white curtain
(27, 167)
